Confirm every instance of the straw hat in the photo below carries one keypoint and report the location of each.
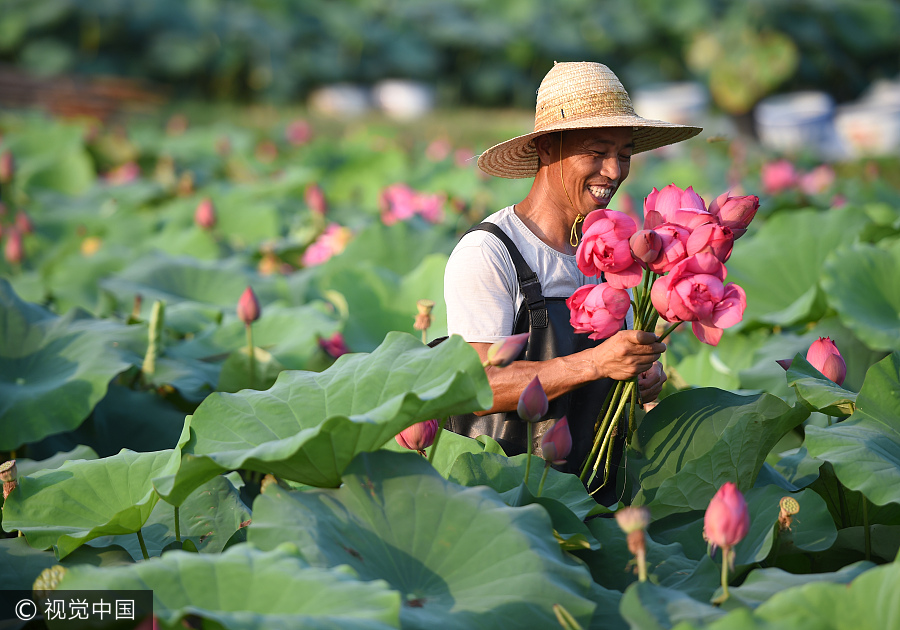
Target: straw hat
(579, 95)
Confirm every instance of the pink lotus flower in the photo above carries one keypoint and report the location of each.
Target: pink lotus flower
(778, 176)
(315, 199)
(727, 519)
(334, 346)
(694, 291)
(533, 403)
(123, 174)
(398, 203)
(645, 246)
(598, 309)
(556, 444)
(330, 243)
(7, 167)
(505, 352)
(14, 252)
(735, 212)
(818, 180)
(671, 203)
(248, 307)
(605, 248)
(419, 436)
(438, 149)
(298, 132)
(713, 238)
(430, 207)
(824, 356)
(205, 214)
(23, 223)
(673, 250)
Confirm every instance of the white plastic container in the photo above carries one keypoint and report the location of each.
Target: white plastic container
(799, 121)
(403, 100)
(680, 103)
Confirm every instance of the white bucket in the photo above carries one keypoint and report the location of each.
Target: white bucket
(795, 122)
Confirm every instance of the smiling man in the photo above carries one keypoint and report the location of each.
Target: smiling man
(513, 273)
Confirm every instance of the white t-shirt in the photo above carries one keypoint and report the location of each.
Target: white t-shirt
(480, 286)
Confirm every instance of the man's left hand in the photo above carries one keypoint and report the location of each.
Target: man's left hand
(651, 382)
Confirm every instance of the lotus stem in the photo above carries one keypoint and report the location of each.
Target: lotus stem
(177, 524)
(543, 478)
(607, 438)
(528, 460)
(609, 406)
(154, 343)
(251, 356)
(437, 438)
(565, 618)
(143, 546)
(669, 330)
(641, 558)
(726, 552)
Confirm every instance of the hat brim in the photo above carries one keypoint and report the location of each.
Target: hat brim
(517, 158)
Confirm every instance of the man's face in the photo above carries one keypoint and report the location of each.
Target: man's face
(594, 164)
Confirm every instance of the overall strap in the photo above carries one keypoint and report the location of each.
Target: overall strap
(528, 280)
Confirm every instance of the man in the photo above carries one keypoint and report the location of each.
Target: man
(579, 154)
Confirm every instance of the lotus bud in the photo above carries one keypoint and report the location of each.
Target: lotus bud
(298, 132)
(645, 245)
(315, 199)
(248, 307)
(633, 520)
(205, 215)
(334, 346)
(23, 223)
(784, 363)
(789, 507)
(533, 403)
(727, 519)
(505, 352)
(7, 167)
(423, 318)
(9, 475)
(735, 212)
(14, 252)
(419, 436)
(824, 356)
(556, 443)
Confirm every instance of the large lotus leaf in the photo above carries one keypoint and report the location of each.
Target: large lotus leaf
(21, 564)
(291, 335)
(27, 467)
(870, 601)
(817, 391)
(701, 365)
(696, 440)
(451, 447)
(460, 557)
(52, 371)
(208, 518)
(861, 285)
(762, 584)
(865, 448)
(174, 280)
(245, 588)
(648, 606)
(606, 615)
(309, 425)
(780, 266)
(797, 467)
(85, 499)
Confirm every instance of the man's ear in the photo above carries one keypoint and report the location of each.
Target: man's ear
(546, 148)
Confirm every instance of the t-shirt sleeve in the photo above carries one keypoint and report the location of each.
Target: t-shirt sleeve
(480, 289)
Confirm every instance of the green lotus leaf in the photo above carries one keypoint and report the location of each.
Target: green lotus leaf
(309, 425)
(606, 615)
(53, 370)
(460, 557)
(81, 500)
(861, 285)
(696, 440)
(780, 266)
(651, 607)
(817, 391)
(865, 448)
(237, 373)
(797, 467)
(28, 467)
(244, 588)
(21, 564)
(450, 447)
(762, 584)
(208, 518)
(870, 601)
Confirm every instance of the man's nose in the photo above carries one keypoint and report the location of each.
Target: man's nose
(611, 169)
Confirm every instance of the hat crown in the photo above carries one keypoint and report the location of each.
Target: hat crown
(575, 90)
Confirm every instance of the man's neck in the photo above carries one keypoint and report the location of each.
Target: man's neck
(549, 218)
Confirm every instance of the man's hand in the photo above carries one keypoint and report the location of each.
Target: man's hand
(650, 383)
(627, 354)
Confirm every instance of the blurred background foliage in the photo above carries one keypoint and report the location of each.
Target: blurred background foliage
(471, 52)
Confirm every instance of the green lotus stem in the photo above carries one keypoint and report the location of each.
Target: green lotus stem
(635, 401)
(425, 336)
(668, 330)
(437, 438)
(623, 395)
(606, 448)
(154, 343)
(602, 430)
(726, 551)
(251, 356)
(642, 564)
(177, 524)
(565, 618)
(543, 478)
(143, 546)
(866, 530)
(528, 461)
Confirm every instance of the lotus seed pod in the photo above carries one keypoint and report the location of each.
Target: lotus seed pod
(9, 476)
(48, 581)
(789, 507)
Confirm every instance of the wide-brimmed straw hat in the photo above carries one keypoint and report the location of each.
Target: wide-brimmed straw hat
(579, 95)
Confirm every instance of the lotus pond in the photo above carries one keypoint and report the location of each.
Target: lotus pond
(263, 488)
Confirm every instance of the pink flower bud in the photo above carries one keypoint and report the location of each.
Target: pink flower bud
(824, 356)
(632, 518)
(735, 212)
(557, 442)
(419, 436)
(645, 245)
(505, 352)
(334, 346)
(298, 132)
(727, 519)
(14, 252)
(7, 167)
(716, 239)
(315, 199)
(23, 223)
(248, 307)
(205, 215)
(778, 176)
(533, 403)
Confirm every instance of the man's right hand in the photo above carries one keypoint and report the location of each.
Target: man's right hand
(626, 354)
